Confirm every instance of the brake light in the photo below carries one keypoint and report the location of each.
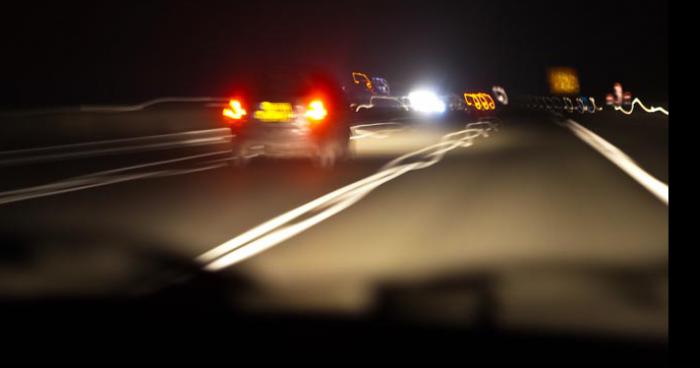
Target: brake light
(235, 110)
(316, 111)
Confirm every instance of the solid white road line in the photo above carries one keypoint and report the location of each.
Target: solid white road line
(619, 158)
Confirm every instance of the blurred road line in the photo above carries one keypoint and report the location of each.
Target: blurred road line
(141, 106)
(637, 101)
(111, 108)
(155, 142)
(116, 146)
(619, 158)
(293, 222)
(114, 176)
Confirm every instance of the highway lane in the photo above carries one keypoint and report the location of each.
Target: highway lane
(531, 207)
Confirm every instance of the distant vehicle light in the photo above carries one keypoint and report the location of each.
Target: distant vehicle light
(480, 101)
(563, 81)
(626, 98)
(316, 111)
(381, 86)
(609, 99)
(426, 101)
(500, 94)
(368, 82)
(619, 96)
(236, 110)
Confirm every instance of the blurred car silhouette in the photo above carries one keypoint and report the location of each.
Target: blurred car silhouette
(288, 112)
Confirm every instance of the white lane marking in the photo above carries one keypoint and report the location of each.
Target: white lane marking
(116, 150)
(273, 232)
(107, 177)
(83, 178)
(113, 108)
(109, 181)
(141, 106)
(362, 131)
(619, 158)
(103, 178)
(113, 141)
(637, 101)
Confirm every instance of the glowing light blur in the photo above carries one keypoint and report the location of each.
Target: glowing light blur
(563, 81)
(480, 101)
(277, 111)
(400, 101)
(500, 94)
(236, 110)
(368, 82)
(316, 111)
(635, 102)
(622, 98)
(426, 102)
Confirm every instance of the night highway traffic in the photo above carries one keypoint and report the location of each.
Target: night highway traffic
(415, 182)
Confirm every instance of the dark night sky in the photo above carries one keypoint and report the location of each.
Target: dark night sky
(99, 52)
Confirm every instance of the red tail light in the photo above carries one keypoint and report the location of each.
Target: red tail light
(316, 111)
(235, 110)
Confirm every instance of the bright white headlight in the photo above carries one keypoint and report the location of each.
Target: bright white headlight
(426, 101)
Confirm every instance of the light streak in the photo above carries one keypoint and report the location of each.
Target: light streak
(107, 177)
(116, 146)
(399, 100)
(365, 130)
(120, 175)
(144, 105)
(481, 101)
(426, 101)
(637, 101)
(279, 229)
(113, 108)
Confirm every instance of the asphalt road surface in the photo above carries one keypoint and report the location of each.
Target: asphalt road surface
(569, 239)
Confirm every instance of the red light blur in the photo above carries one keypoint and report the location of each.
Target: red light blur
(235, 111)
(316, 110)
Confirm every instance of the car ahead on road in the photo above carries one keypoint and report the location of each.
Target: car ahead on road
(289, 113)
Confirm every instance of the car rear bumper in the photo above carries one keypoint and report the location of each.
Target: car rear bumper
(277, 140)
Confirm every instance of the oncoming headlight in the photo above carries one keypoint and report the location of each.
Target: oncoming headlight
(426, 101)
